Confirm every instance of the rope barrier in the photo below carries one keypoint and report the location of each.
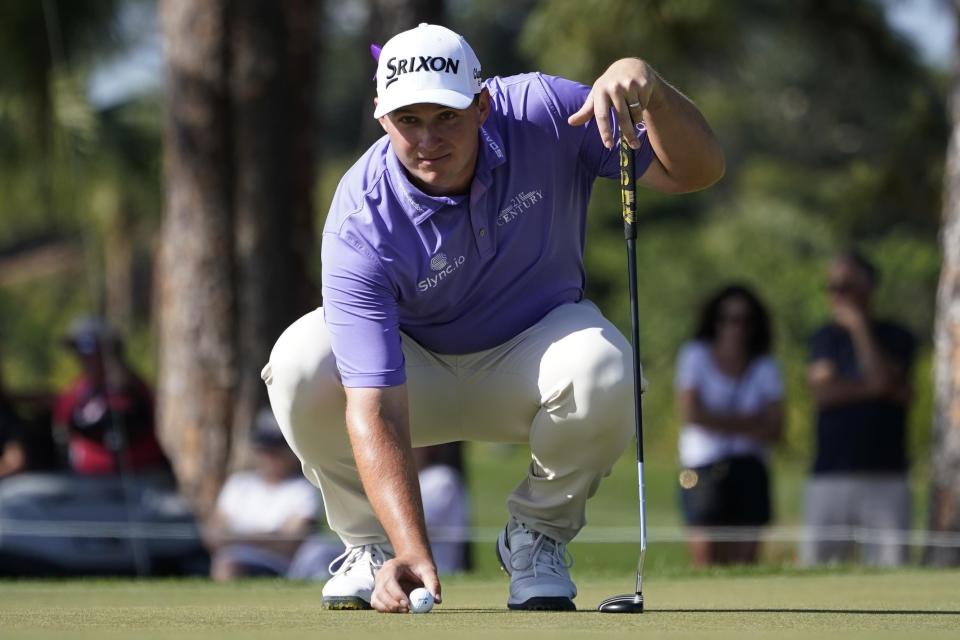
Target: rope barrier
(591, 534)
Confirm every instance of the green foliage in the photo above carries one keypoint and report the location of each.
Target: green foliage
(833, 133)
(773, 246)
(834, 136)
(71, 177)
(838, 602)
(853, 125)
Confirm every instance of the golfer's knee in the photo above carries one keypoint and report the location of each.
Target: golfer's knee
(604, 364)
(611, 392)
(302, 379)
(596, 419)
(605, 374)
(303, 353)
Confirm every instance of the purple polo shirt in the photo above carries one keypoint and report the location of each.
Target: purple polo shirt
(464, 273)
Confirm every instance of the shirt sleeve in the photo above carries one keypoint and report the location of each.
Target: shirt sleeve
(361, 314)
(689, 366)
(569, 96)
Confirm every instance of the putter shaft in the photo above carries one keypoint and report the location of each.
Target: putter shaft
(628, 197)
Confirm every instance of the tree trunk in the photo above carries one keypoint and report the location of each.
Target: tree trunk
(238, 223)
(197, 358)
(118, 265)
(945, 489)
(273, 54)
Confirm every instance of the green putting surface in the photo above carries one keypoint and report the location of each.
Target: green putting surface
(910, 603)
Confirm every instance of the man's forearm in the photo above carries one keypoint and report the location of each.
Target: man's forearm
(727, 424)
(681, 138)
(765, 425)
(12, 460)
(761, 425)
(873, 365)
(688, 155)
(380, 437)
(839, 392)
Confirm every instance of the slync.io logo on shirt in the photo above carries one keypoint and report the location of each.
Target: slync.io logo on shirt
(443, 266)
(438, 262)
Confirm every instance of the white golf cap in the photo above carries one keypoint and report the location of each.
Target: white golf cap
(429, 64)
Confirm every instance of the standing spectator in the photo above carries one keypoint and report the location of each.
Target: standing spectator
(105, 417)
(859, 374)
(263, 515)
(730, 396)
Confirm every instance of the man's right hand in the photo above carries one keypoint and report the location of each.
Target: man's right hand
(398, 577)
(850, 317)
(377, 422)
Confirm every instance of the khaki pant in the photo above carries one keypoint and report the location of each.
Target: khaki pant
(844, 511)
(564, 386)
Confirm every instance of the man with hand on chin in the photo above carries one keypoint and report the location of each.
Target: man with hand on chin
(453, 308)
(859, 374)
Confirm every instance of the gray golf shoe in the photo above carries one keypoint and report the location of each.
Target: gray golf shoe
(539, 570)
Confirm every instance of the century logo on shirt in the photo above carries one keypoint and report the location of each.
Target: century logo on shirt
(443, 266)
(518, 205)
(420, 63)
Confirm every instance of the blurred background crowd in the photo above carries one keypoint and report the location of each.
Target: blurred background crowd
(165, 167)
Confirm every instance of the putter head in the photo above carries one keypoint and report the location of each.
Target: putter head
(627, 603)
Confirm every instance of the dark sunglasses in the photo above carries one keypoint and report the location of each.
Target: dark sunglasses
(734, 318)
(839, 287)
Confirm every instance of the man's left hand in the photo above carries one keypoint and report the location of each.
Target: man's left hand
(628, 86)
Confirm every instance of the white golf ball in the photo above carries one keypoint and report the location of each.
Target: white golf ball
(421, 600)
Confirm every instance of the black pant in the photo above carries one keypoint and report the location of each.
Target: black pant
(727, 493)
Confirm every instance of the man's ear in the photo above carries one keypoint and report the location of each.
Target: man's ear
(381, 119)
(483, 105)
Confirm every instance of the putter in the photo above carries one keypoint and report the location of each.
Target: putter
(632, 603)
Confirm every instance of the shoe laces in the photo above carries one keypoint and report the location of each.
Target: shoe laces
(371, 554)
(545, 554)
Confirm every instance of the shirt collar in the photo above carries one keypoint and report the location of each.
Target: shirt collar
(491, 156)
(419, 205)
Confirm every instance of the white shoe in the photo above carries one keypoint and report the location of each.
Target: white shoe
(351, 584)
(539, 570)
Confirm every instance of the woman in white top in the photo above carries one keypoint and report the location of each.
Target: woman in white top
(730, 396)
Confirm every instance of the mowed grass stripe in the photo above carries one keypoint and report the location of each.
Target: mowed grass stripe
(885, 604)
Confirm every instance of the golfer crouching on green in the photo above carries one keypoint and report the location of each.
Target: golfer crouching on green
(453, 308)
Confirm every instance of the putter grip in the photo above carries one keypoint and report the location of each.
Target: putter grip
(628, 189)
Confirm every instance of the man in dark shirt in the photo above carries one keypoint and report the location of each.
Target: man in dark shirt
(859, 375)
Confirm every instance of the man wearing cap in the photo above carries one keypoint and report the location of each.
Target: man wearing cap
(264, 514)
(105, 418)
(453, 308)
